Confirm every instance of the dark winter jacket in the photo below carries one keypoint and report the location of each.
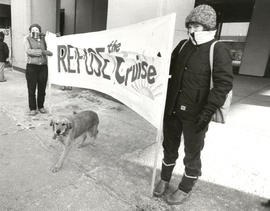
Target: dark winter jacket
(4, 51)
(189, 85)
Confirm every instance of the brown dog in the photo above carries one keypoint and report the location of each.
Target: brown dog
(67, 129)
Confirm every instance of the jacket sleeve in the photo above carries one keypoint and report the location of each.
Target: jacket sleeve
(175, 54)
(6, 50)
(222, 78)
(29, 51)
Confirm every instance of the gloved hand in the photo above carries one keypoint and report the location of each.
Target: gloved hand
(202, 121)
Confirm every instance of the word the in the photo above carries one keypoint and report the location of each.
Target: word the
(114, 46)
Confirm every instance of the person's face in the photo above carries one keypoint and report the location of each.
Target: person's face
(35, 29)
(194, 27)
(35, 32)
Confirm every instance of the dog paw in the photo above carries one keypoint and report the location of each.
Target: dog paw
(55, 168)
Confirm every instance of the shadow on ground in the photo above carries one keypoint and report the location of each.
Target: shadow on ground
(104, 176)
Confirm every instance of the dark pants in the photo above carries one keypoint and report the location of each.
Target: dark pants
(174, 126)
(36, 77)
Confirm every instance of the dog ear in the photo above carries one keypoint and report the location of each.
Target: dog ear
(52, 124)
(68, 123)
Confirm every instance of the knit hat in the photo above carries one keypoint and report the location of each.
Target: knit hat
(204, 15)
(35, 25)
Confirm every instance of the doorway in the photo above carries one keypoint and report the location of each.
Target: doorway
(81, 16)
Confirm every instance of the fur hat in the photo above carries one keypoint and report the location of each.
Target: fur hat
(204, 15)
(35, 25)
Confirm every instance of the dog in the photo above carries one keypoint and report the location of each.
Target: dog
(67, 129)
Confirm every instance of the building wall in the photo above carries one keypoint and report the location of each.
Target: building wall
(122, 12)
(69, 6)
(20, 16)
(5, 2)
(91, 15)
(182, 9)
(84, 16)
(44, 13)
(24, 13)
(257, 49)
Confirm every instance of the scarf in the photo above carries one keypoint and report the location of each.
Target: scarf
(198, 38)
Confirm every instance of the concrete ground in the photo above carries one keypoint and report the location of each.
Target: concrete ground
(115, 173)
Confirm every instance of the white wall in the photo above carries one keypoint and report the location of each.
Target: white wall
(182, 8)
(24, 13)
(123, 12)
(20, 20)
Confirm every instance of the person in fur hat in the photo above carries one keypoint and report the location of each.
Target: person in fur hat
(190, 103)
(36, 68)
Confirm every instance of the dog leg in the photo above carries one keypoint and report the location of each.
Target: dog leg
(82, 144)
(94, 133)
(91, 135)
(61, 160)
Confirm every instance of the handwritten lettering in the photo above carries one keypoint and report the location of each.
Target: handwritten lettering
(114, 46)
(97, 63)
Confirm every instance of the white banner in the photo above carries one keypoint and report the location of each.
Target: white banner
(129, 63)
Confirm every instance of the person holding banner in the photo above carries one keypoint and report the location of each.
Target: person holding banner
(36, 68)
(4, 52)
(190, 103)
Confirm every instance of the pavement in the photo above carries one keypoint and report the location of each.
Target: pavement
(116, 172)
